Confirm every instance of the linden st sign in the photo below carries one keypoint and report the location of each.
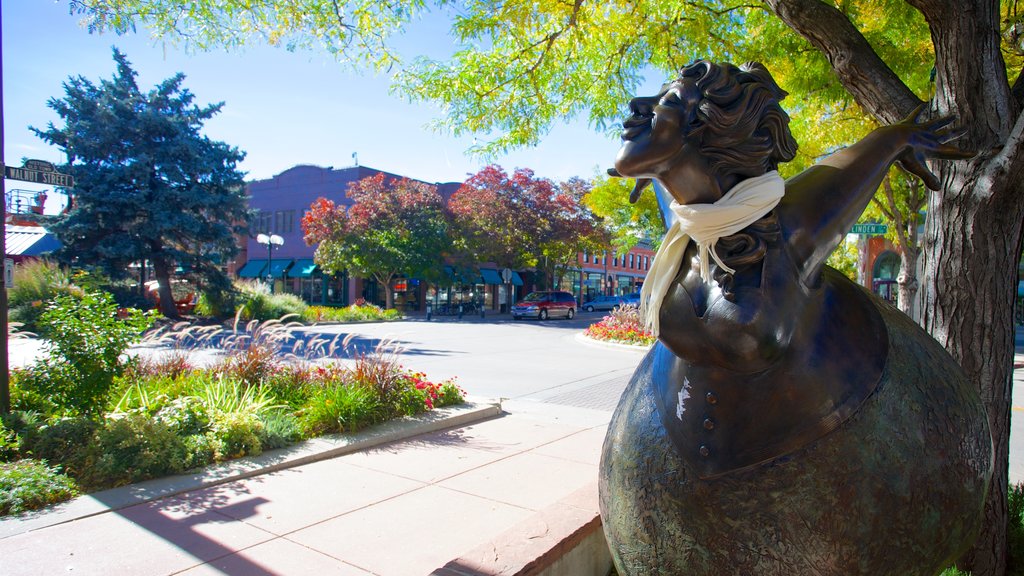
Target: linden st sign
(41, 172)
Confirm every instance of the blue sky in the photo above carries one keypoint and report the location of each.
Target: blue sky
(282, 108)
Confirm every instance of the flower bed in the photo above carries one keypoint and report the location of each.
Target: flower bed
(622, 325)
(146, 418)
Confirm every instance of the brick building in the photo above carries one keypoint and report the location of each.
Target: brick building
(280, 203)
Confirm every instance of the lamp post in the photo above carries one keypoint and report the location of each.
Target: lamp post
(272, 241)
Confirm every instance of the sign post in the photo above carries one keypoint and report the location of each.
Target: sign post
(40, 172)
(506, 277)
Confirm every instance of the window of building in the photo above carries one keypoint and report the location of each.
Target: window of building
(631, 261)
(596, 258)
(284, 221)
(647, 262)
(261, 222)
(616, 261)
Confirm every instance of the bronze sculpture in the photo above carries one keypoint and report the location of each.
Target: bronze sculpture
(786, 422)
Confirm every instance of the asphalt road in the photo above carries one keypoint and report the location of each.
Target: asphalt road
(501, 358)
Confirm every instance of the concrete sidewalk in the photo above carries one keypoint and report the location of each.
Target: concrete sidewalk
(406, 507)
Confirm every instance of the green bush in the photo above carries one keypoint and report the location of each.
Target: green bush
(216, 304)
(353, 313)
(86, 341)
(255, 302)
(30, 484)
(279, 430)
(62, 442)
(132, 448)
(339, 408)
(36, 282)
(237, 434)
(186, 416)
(26, 395)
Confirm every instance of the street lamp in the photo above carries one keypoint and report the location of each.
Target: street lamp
(272, 241)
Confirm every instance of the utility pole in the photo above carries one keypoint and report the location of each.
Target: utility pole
(5, 380)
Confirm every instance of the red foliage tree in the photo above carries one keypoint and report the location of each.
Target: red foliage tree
(394, 226)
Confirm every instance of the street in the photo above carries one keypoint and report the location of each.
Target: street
(501, 358)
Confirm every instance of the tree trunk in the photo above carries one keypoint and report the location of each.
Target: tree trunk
(972, 248)
(907, 282)
(162, 272)
(385, 282)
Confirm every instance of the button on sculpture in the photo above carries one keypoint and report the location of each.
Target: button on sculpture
(786, 422)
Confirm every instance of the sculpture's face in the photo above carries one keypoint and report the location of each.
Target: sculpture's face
(655, 136)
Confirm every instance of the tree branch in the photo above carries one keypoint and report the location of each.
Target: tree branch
(861, 71)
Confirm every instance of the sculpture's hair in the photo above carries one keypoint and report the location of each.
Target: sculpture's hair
(743, 131)
(743, 249)
(742, 128)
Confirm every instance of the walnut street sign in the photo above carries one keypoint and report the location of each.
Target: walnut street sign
(41, 172)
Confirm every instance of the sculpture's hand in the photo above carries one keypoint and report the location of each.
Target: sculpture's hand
(928, 140)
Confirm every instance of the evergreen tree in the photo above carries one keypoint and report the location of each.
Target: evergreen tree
(148, 184)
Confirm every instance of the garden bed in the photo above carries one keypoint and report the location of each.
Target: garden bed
(87, 412)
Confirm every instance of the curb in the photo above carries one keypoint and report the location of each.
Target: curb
(305, 452)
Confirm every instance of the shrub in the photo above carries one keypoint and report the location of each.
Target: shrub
(339, 408)
(36, 282)
(354, 313)
(26, 395)
(255, 302)
(237, 434)
(30, 484)
(279, 430)
(62, 442)
(186, 416)
(86, 341)
(216, 303)
(132, 448)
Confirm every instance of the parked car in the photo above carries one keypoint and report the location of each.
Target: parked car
(544, 305)
(602, 303)
(631, 300)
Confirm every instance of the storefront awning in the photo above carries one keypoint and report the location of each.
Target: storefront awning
(252, 269)
(490, 276)
(304, 268)
(277, 267)
(516, 280)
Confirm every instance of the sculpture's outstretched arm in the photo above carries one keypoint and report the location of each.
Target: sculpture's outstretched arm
(824, 201)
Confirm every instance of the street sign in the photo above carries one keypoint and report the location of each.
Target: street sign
(39, 171)
(869, 229)
(9, 272)
(506, 275)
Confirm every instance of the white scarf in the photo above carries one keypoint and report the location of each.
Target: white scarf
(738, 208)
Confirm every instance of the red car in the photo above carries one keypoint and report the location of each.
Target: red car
(544, 305)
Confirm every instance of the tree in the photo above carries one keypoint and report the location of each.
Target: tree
(523, 65)
(572, 229)
(522, 221)
(899, 202)
(628, 222)
(148, 185)
(393, 226)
